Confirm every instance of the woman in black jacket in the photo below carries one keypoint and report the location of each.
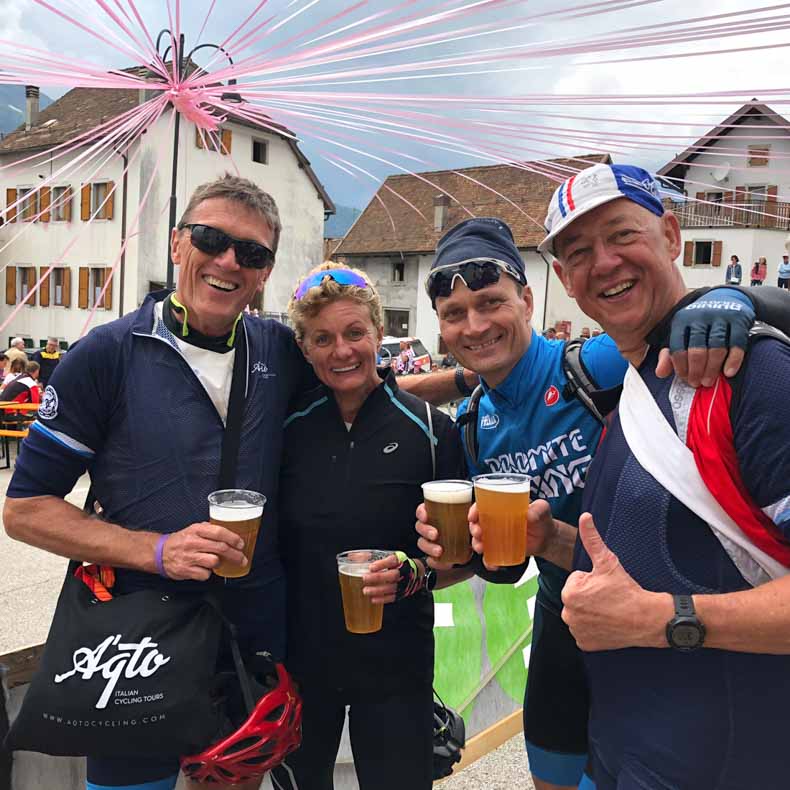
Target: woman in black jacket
(356, 452)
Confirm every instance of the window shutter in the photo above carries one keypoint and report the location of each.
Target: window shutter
(772, 192)
(10, 284)
(227, 141)
(46, 200)
(109, 207)
(688, 253)
(85, 203)
(43, 291)
(30, 273)
(82, 299)
(68, 199)
(10, 199)
(199, 143)
(67, 287)
(716, 260)
(108, 292)
(700, 196)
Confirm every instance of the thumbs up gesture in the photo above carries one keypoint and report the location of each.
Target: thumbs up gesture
(606, 609)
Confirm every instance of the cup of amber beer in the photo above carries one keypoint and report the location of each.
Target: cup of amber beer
(239, 511)
(447, 503)
(361, 615)
(502, 503)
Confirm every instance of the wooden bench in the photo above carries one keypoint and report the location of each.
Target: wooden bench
(5, 435)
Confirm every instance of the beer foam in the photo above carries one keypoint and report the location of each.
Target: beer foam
(447, 493)
(235, 511)
(504, 486)
(352, 570)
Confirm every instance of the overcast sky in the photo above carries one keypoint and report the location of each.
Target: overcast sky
(751, 72)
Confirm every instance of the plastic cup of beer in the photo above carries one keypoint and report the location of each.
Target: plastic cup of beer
(502, 503)
(447, 503)
(239, 511)
(361, 614)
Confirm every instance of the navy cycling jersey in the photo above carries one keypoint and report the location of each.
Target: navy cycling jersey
(712, 718)
(125, 405)
(526, 425)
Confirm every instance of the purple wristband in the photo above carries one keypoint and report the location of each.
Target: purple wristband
(160, 547)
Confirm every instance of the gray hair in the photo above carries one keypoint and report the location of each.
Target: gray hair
(18, 341)
(239, 190)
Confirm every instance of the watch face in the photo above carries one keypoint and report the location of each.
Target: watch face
(686, 636)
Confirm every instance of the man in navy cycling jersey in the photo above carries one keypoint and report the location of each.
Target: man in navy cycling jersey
(141, 403)
(684, 628)
(525, 423)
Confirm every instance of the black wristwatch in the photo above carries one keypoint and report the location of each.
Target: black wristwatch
(460, 381)
(429, 578)
(685, 631)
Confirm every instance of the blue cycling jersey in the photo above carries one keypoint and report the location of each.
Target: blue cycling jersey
(526, 425)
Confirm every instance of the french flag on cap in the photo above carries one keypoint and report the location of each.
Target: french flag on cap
(593, 187)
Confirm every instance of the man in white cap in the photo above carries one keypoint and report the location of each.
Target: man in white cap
(684, 619)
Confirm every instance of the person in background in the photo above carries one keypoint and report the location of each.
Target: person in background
(16, 350)
(3, 363)
(448, 361)
(561, 336)
(759, 271)
(596, 332)
(16, 367)
(23, 388)
(48, 359)
(550, 333)
(585, 332)
(734, 271)
(784, 273)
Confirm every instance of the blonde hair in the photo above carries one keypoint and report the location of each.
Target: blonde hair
(329, 291)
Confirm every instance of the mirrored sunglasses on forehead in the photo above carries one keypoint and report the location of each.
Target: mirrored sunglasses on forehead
(340, 276)
(213, 241)
(476, 273)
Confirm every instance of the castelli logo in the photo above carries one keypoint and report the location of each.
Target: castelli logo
(132, 659)
(552, 396)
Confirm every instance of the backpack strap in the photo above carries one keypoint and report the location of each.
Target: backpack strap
(468, 423)
(759, 331)
(579, 382)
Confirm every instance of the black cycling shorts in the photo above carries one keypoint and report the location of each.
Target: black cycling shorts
(557, 702)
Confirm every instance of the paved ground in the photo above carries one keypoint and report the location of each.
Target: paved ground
(29, 583)
(504, 769)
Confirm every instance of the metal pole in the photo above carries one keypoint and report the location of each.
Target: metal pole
(173, 199)
(123, 231)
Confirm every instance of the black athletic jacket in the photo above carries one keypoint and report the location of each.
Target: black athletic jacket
(341, 490)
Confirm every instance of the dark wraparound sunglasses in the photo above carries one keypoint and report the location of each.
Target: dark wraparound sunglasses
(476, 274)
(213, 241)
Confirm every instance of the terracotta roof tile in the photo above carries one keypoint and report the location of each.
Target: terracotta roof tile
(373, 233)
(76, 112)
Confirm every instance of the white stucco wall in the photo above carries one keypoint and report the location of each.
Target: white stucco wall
(732, 150)
(748, 244)
(98, 244)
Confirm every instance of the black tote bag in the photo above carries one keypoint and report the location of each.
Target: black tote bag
(131, 675)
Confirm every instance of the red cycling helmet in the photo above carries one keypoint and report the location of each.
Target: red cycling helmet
(272, 730)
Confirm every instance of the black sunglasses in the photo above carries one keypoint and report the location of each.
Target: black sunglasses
(476, 274)
(213, 241)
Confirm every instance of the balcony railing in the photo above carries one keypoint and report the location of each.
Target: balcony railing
(768, 214)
